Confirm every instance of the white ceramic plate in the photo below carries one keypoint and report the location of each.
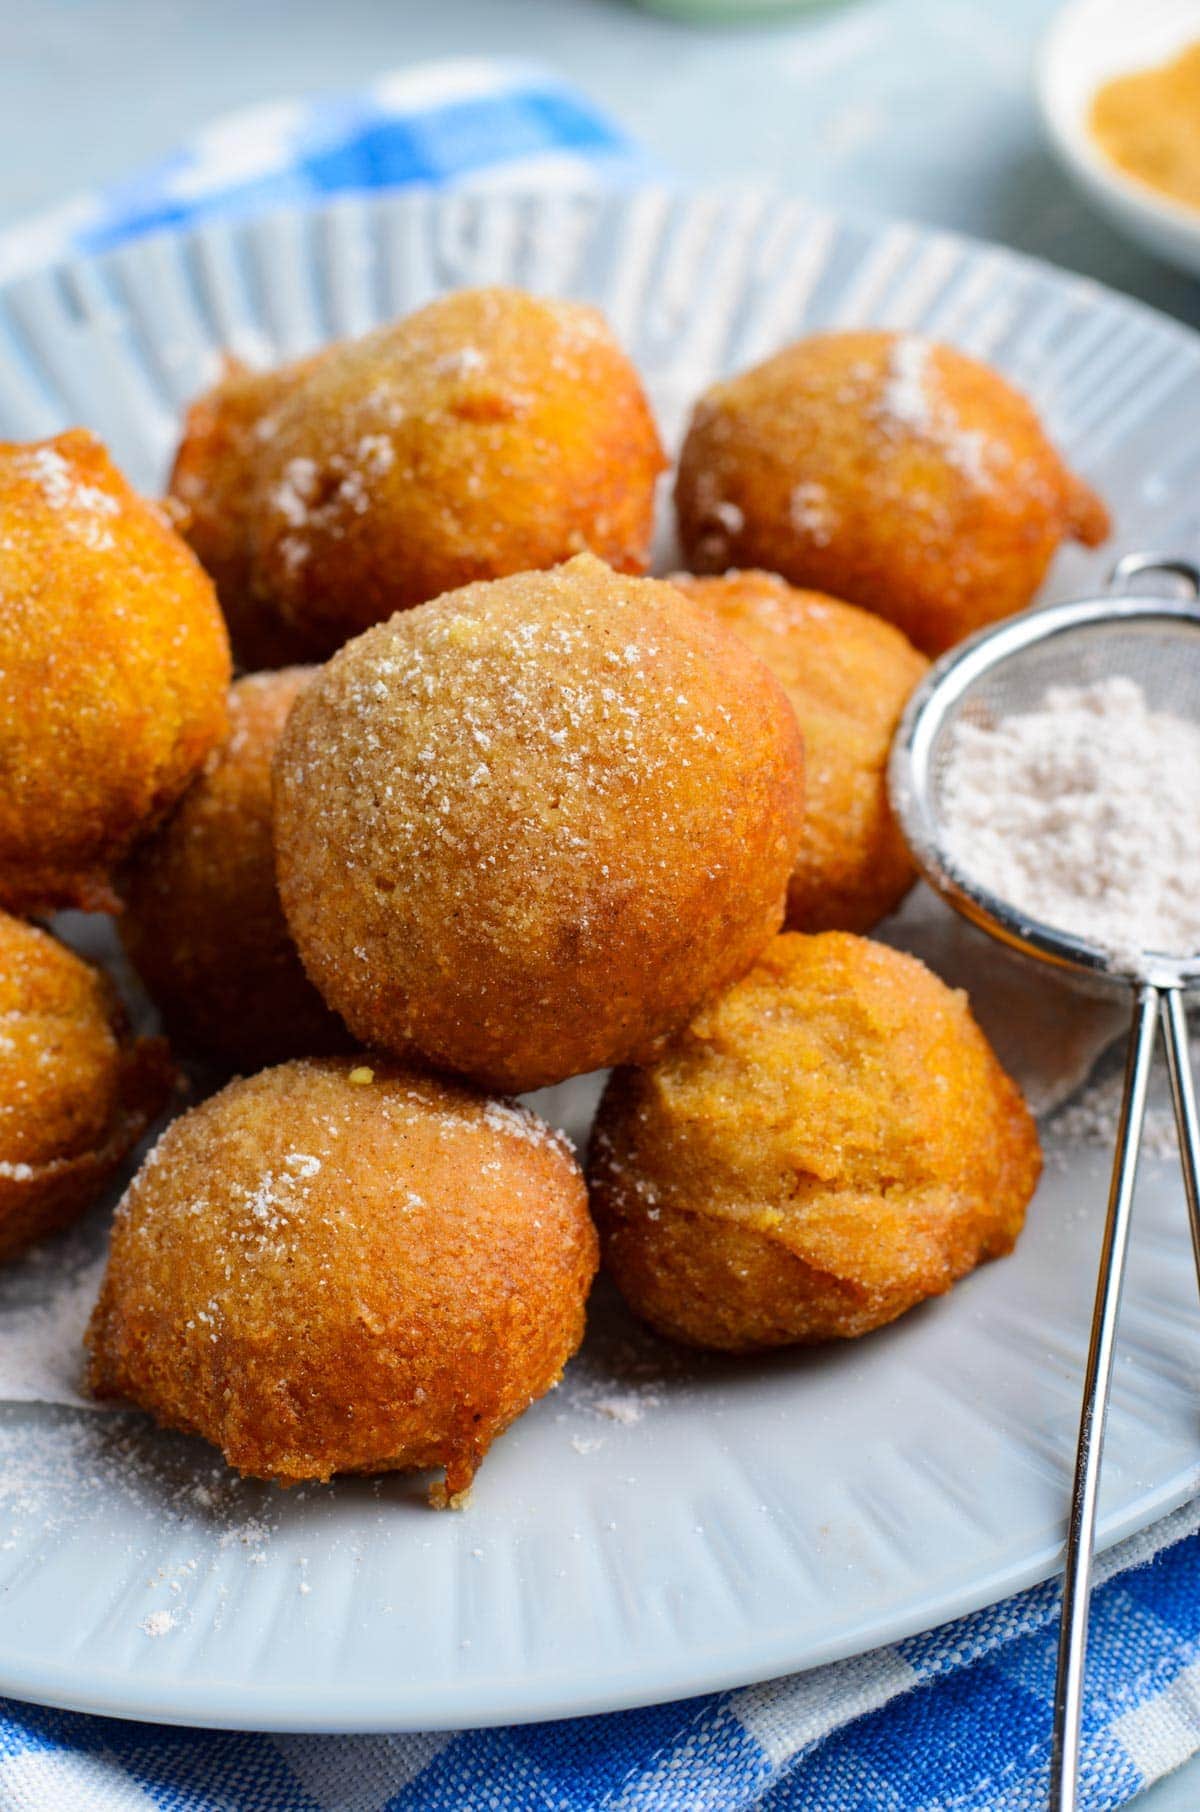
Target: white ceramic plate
(661, 1525)
(1090, 42)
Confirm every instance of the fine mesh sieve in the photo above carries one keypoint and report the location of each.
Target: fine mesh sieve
(1000, 673)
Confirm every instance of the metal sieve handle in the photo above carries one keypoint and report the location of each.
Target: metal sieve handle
(1183, 1097)
(1132, 566)
(1081, 1532)
(1081, 1528)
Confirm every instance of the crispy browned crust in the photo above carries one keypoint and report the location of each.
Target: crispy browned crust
(76, 1090)
(202, 922)
(847, 675)
(804, 467)
(825, 1146)
(487, 433)
(113, 667)
(321, 1275)
(525, 830)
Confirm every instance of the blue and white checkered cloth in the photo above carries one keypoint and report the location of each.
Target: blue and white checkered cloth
(468, 121)
(955, 1719)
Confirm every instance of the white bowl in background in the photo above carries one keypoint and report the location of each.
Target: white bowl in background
(1089, 42)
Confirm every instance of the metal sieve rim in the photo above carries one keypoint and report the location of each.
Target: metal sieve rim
(910, 776)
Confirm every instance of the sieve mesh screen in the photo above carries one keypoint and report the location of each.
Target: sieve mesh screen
(1152, 641)
(1162, 659)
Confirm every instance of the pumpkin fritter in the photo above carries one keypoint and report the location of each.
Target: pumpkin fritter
(331, 1267)
(887, 470)
(202, 922)
(113, 668)
(847, 675)
(826, 1145)
(489, 432)
(524, 831)
(77, 1091)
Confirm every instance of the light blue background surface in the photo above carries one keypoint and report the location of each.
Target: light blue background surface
(921, 108)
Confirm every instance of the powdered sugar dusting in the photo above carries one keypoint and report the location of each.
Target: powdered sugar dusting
(296, 488)
(1082, 814)
(622, 1375)
(626, 1409)
(43, 1343)
(906, 396)
(911, 403)
(312, 498)
(1092, 1119)
(811, 512)
(57, 1475)
(517, 1122)
(87, 507)
(728, 516)
(46, 1297)
(461, 362)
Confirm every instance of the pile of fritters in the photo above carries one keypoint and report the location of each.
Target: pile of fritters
(536, 815)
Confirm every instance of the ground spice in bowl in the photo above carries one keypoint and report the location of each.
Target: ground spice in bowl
(1147, 123)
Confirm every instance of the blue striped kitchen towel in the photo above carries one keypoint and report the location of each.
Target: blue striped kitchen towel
(957, 1718)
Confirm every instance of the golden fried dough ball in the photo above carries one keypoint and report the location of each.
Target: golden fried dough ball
(213, 495)
(488, 433)
(203, 923)
(113, 668)
(847, 674)
(337, 1268)
(76, 1090)
(524, 831)
(824, 1146)
(887, 470)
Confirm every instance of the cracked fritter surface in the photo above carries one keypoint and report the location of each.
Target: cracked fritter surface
(824, 1146)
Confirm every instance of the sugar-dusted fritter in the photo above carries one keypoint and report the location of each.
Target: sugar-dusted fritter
(113, 667)
(847, 674)
(213, 497)
(334, 1267)
(76, 1089)
(202, 921)
(826, 1145)
(489, 432)
(887, 470)
(523, 831)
